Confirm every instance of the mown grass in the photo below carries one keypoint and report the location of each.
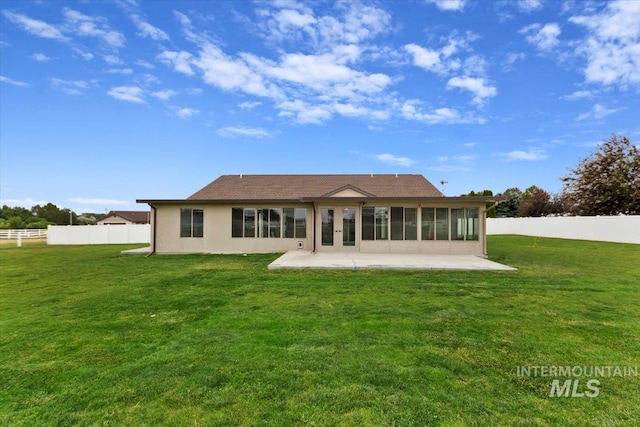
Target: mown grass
(92, 337)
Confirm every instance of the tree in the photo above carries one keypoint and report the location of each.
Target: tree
(607, 182)
(537, 202)
(491, 213)
(511, 207)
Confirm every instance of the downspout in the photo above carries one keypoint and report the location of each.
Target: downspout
(484, 229)
(314, 227)
(153, 231)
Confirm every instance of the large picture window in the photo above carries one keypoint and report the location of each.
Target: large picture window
(465, 223)
(404, 223)
(435, 224)
(191, 222)
(269, 222)
(294, 223)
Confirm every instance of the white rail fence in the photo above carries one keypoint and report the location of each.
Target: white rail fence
(24, 233)
(98, 234)
(620, 229)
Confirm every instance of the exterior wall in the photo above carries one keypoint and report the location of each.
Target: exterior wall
(217, 232)
(621, 229)
(453, 247)
(116, 220)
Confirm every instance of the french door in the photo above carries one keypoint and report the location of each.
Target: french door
(338, 229)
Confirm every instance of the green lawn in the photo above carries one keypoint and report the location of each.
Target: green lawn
(92, 337)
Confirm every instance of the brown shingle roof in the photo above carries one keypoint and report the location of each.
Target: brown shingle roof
(138, 217)
(294, 187)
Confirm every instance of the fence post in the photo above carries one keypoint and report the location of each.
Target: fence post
(19, 240)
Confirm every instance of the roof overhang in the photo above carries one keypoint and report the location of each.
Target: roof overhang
(328, 200)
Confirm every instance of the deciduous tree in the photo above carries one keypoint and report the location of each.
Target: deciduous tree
(607, 182)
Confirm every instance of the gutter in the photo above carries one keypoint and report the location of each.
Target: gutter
(314, 228)
(153, 232)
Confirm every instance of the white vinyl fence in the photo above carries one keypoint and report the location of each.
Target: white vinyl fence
(621, 229)
(98, 234)
(24, 233)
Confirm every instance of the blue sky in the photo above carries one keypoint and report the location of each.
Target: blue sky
(105, 102)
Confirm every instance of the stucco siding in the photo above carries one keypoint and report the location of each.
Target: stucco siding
(217, 233)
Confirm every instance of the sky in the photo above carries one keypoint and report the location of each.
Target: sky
(103, 103)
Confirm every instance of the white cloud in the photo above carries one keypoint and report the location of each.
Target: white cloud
(598, 111)
(228, 73)
(456, 5)
(112, 59)
(99, 202)
(144, 64)
(239, 131)
(438, 116)
(179, 60)
(395, 160)
(470, 144)
(612, 48)
(532, 154)
(24, 203)
(35, 26)
(127, 93)
(512, 58)
(87, 26)
(164, 94)
(437, 61)
(147, 30)
(529, 5)
(87, 56)
(125, 71)
(72, 87)
(4, 79)
(544, 37)
(147, 79)
(186, 113)
(477, 86)
(40, 57)
(305, 113)
(249, 105)
(579, 94)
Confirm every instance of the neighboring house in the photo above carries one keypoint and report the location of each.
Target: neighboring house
(125, 217)
(279, 213)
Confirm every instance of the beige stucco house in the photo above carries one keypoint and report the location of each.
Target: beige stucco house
(125, 217)
(323, 213)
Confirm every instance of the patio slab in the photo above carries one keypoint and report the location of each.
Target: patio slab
(357, 261)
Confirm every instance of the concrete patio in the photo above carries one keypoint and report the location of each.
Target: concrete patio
(357, 261)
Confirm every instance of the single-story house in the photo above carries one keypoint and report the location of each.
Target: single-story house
(125, 217)
(340, 213)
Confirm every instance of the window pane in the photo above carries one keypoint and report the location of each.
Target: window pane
(410, 223)
(368, 225)
(428, 224)
(442, 224)
(237, 215)
(274, 222)
(185, 222)
(327, 226)
(473, 223)
(457, 224)
(397, 219)
(249, 222)
(263, 222)
(288, 227)
(198, 223)
(301, 223)
(382, 223)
